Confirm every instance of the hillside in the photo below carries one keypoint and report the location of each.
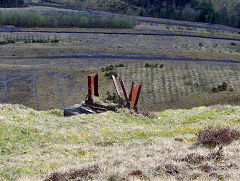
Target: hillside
(114, 146)
(214, 11)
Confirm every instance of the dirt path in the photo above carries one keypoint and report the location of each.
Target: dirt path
(99, 60)
(137, 34)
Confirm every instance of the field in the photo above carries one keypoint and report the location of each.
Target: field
(114, 146)
(189, 73)
(192, 65)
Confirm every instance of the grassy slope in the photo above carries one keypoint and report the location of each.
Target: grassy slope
(33, 144)
(229, 4)
(123, 5)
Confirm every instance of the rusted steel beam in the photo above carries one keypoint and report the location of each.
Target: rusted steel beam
(92, 86)
(117, 89)
(130, 95)
(135, 93)
(124, 90)
(96, 85)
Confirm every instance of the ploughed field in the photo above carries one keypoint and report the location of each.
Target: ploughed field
(47, 74)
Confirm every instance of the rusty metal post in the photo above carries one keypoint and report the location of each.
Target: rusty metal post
(92, 86)
(96, 85)
(130, 95)
(117, 89)
(135, 93)
(124, 90)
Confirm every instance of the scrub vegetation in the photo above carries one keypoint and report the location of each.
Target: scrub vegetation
(215, 11)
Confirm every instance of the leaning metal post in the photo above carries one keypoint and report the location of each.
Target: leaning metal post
(124, 90)
(134, 95)
(117, 89)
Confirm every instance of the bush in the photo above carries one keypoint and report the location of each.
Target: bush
(11, 41)
(200, 45)
(141, 12)
(224, 86)
(109, 74)
(220, 88)
(153, 65)
(108, 68)
(112, 98)
(3, 42)
(215, 90)
(54, 41)
(120, 65)
(212, 137)
(233, 44)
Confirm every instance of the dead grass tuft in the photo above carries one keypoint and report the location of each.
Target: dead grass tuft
(105, 143)
(212, 137)
(148, 114)
(171, 169)
(194, 158)
(138, 173)
(74, 174)
(116, 178)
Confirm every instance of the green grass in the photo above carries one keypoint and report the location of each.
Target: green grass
(33, 144)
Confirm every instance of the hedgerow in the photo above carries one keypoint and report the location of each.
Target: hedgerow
(58, 19)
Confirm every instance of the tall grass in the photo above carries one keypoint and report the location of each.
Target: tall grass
(58, 19)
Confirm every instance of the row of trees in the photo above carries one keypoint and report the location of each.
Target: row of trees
(11, 3)
(34, 19)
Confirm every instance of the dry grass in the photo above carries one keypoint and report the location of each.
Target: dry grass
(43, 145)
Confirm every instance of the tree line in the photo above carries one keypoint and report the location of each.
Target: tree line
(190, 10)
(11, 3)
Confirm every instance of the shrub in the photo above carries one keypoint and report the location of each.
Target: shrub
(119, 22)
(161, 66)
(233, 44)
(200, 45)
(120, 65)
(109, 74)
(152, 65)
(54, 41)
(148, 114)
(215, 90)
(3, 42)
(110, 67)
(220, 88)
(11, 41)
(212, 137)
(224, 86)
(112, 98)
